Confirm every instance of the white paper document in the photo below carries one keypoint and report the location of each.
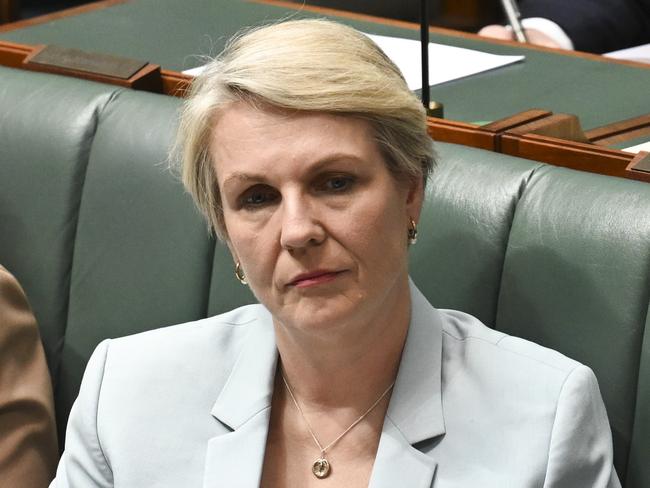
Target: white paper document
(640, 53)
(644, 146)
(446, 63)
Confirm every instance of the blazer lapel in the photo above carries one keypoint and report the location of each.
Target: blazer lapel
(400, 464)
(234, 459)
(415, 411)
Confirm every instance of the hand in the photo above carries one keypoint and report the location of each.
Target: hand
(534, 36)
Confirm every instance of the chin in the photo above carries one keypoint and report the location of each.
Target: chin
(317, 313)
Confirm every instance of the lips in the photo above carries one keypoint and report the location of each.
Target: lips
(314, 278)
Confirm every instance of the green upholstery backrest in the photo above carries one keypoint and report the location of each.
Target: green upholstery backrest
(142, 254)
(576, 278)
(47, 125)
(107, 243)
(638, 472)
(556, 256)
(465, 226)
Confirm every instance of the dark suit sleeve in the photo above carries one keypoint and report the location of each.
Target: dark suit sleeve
(28, 446)
(596, 26)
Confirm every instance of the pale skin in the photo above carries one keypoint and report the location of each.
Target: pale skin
(319, 225)
(534, 36)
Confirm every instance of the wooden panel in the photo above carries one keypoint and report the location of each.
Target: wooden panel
(495, 137)
(516, 120)
(460, 133)
(559, 126)
(639, 167)
(12, 55)
(18, 56)
(619, 132)
(101, 4)
(574, 155)
(174, 83)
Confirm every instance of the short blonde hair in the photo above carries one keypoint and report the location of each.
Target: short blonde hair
(306, 65)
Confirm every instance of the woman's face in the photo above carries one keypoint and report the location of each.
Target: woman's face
(313, 215)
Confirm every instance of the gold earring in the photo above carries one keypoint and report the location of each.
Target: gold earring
(412, 233)
(239, 274)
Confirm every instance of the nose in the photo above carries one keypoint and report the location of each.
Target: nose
(301, 227)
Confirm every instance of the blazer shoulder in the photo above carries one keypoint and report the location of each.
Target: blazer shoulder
(231, 324)
(464, 328)
(200, 343)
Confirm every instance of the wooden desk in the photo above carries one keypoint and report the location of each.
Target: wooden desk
(556, 81)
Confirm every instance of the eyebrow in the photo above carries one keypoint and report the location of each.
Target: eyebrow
(243, 177)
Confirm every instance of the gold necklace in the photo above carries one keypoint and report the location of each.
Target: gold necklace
(322, 467)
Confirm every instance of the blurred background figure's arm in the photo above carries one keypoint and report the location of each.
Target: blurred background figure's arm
(28, 446)
(596, 26)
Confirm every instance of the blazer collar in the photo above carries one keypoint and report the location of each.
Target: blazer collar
(236, 458)
(249, 388)
(416, 403)
(414, 413)
(415, 410)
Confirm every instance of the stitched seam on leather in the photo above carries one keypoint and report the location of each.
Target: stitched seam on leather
(94, 123)
(86, 155)
(523, 186)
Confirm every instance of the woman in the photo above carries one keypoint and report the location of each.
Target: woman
(309, 156)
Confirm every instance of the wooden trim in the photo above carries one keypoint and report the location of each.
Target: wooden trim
(147, 78)
(621, 131)
(516, 120)
(641, 132)
(558, 126)
(12, 55)
(460, 133)
(574, 155)
(497, 136)
(498, 127)
(175, 84)
(447, 32)
(101, 4)
(68, 12)
(639, 167)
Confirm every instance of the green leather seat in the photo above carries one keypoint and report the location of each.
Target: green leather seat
(107, 243)
(47, 124)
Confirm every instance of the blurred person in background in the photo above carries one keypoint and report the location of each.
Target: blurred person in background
(28, 444)
(596, 26)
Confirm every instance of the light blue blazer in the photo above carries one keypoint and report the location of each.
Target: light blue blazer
(189, 406)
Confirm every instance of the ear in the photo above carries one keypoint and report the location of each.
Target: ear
(415, 198)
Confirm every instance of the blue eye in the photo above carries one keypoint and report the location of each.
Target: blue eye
(338, 183)
(258, 196)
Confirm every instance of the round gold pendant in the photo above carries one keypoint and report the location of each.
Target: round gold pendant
(321, 468)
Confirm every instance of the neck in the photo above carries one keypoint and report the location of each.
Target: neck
(350, 367)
